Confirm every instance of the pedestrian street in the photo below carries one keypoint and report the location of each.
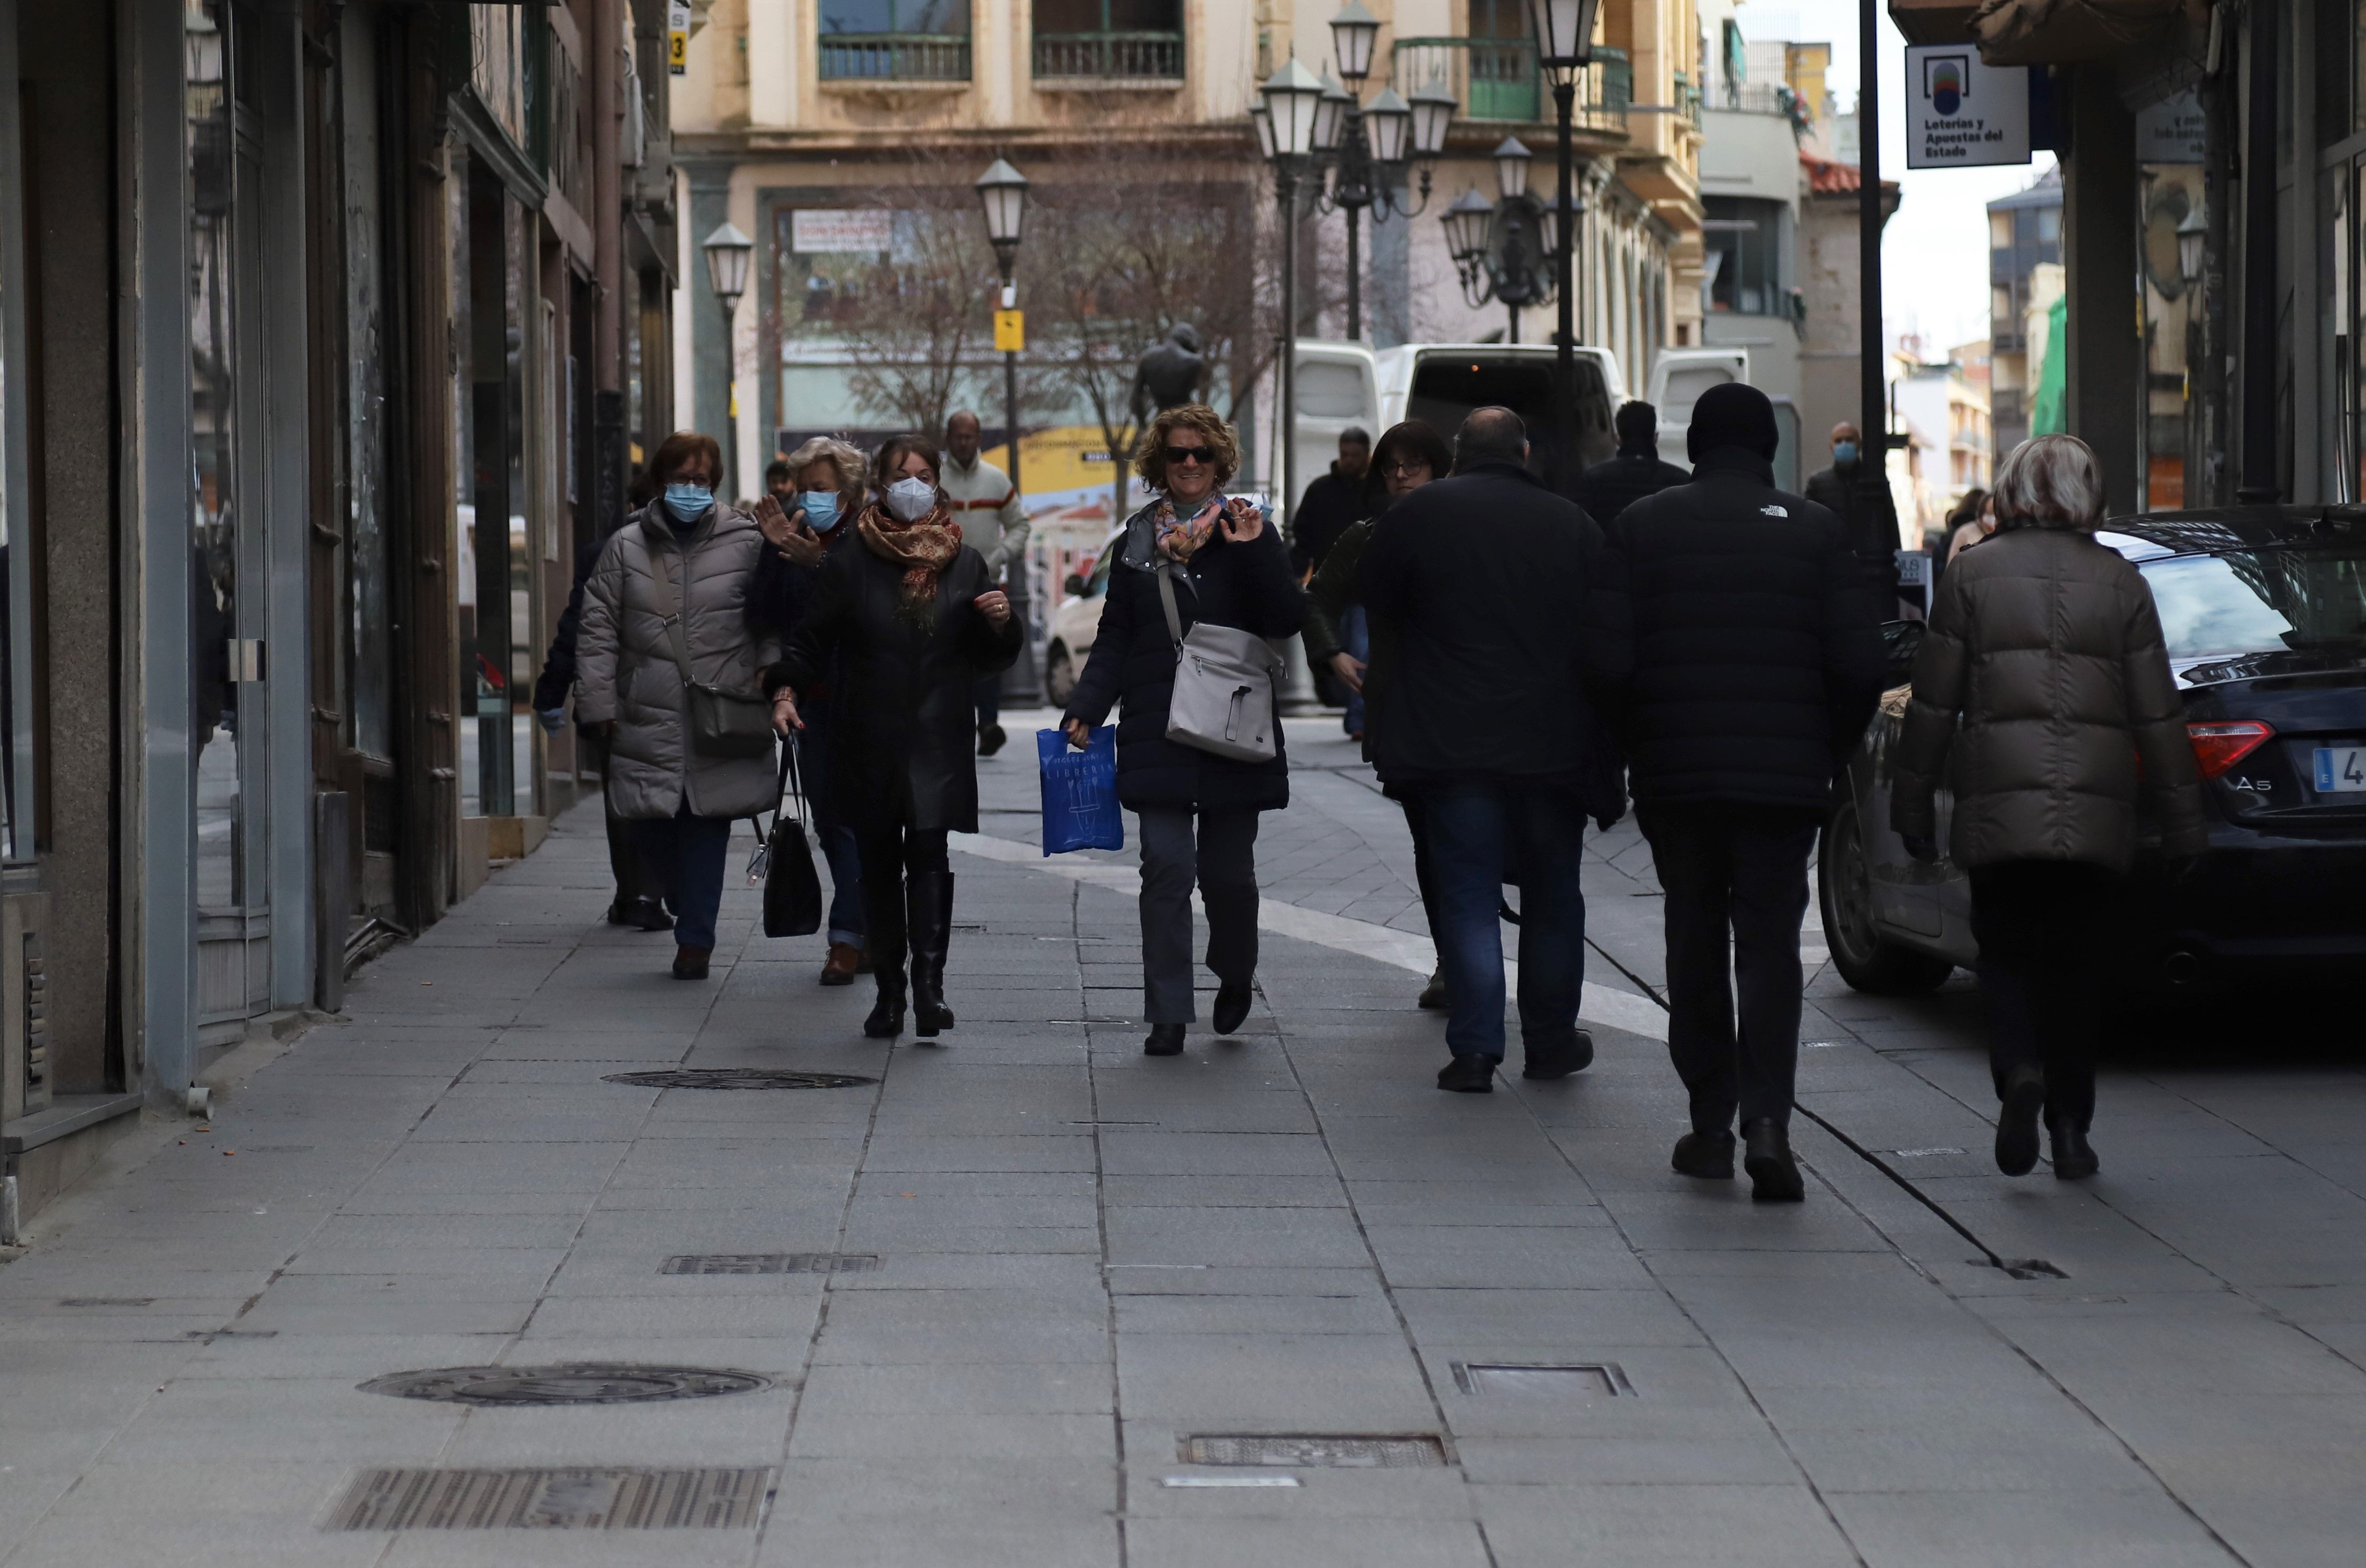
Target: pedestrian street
(1023, 1295)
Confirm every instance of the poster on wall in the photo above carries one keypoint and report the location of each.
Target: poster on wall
(1961, 114)
(2172, 131)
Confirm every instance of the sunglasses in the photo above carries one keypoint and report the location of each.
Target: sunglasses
(1408, 465)
(1189, 454)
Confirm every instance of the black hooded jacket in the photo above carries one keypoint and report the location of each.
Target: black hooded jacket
(1757, 657)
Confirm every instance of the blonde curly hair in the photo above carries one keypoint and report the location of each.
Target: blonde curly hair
(1150, 452)
(853, 469)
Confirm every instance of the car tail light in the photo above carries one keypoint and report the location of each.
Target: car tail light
(2219, 746)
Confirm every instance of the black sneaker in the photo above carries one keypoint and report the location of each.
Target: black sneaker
(1165, 1040)
(1231, 1009)
(648, 915)
(1773, 1174)
(1433, 995)
(990, 738)
(1709, 1155)
(2073, 1157)
(1468, 1075)
(1557, 1057)
(2016, 1136)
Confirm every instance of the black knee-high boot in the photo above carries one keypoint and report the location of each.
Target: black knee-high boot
(930, 895)
(883, 900)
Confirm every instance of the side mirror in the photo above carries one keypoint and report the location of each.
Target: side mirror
(1074, 585)
(1900, 642)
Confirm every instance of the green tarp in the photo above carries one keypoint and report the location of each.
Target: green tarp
(2045, 406)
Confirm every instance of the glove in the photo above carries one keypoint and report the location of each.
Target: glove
(1922, 846)
(553, 719)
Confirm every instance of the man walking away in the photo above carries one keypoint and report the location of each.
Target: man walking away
(1509, 625)
(1757, 665)
(985, 504)
(1608, 488)
(1332, 503)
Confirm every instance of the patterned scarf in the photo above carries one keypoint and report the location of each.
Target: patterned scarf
(1179, 540)
(923, 550)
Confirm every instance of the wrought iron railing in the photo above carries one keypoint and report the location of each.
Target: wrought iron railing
(1498, 79)
(895, 56)
(1135, 57)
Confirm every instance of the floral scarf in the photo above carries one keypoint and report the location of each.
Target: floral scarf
(1178, 540)
(922, 549)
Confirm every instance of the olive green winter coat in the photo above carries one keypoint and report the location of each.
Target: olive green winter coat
(2043, 688)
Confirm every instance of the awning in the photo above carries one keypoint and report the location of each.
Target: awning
(2043, 32)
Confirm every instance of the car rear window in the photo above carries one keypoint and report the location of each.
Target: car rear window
(2260, 601)
(1447, 386)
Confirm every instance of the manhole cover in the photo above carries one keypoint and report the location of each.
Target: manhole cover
(1314, 1450)
(1564, 1380)
(771, 1263)
(572, 1382)
(553, 1499)
(737, 1077)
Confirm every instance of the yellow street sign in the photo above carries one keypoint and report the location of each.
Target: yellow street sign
(1009, 331)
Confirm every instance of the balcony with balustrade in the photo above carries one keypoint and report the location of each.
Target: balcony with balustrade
(890, 58)
(1103, 58)
(1498, 79)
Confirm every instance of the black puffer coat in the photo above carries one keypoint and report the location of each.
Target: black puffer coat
(902, 728)
(1249, 586)
(1608, 490)
(1757, 655)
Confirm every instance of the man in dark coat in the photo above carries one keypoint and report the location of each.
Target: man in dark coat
(1332, 505)
(1509, 626)
(1867, 513)
(1757, 666)
(1608, 488)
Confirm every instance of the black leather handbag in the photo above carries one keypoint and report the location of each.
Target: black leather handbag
(792, 886)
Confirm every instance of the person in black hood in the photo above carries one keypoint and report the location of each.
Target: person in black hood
(1509, 627)
(1608, 488)
(1757, 666)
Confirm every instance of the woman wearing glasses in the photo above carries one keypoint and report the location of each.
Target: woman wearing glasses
(1198, 811)
(1410, 455)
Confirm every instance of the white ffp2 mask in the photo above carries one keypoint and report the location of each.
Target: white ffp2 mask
(911, 500)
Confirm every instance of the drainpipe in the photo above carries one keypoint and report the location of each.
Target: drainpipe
(2261, 358)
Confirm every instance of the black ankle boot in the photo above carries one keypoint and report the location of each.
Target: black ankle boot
(2016, 1134)
(2074, 1159)
(1709, 1155)
(929, 898)
(1165, 1040)
(1773, 1174)
(886, 1020)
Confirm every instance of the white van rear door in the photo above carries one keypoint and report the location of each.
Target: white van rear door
(1678, 379)
(1337, 386)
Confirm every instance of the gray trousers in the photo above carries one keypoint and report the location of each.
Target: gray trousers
(1222, 858)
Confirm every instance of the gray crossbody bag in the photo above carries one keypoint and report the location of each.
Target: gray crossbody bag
(1223, 685)
(722, 722)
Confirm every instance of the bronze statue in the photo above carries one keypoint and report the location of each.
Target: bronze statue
(1170, 372)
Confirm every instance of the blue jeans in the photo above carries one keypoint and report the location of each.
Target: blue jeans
(1480, 836)
(846, 920)
(686, 854)
(1356, 640)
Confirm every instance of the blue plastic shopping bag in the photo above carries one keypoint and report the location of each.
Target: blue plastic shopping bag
(1080, 791)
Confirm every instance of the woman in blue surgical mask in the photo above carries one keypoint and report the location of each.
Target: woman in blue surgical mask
(666, 606)
(902, 622)
(806, 519)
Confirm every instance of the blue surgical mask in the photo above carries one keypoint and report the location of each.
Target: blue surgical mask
(821, 509)
(1844, 453)
(688, 501)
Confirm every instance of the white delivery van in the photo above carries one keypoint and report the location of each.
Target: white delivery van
(1344, 384)
(1678, 378)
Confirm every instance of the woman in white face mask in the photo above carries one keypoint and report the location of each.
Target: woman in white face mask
(899, 631)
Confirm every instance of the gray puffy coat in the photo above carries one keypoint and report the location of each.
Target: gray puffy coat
(2042, 691)
(625, 669)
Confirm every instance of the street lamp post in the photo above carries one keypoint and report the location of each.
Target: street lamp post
(728, 254)
(1002, 193)
(1501, 249)
(1564, 32)
(1370, 145)
(1294, 98)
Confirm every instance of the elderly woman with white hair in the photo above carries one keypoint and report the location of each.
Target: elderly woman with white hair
(2043, 687)
(828, 485)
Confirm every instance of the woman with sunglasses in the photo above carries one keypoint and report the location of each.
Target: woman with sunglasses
(1198, 811)
(1410, 455)
(902, 628)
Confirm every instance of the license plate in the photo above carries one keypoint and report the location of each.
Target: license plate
(2341, 770)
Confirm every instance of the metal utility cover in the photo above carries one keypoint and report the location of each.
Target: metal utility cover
(737, 1077)
(571, 1382)
(1565, 1380)
(554, 1499)
(1314, 1450)
(771, 1263)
